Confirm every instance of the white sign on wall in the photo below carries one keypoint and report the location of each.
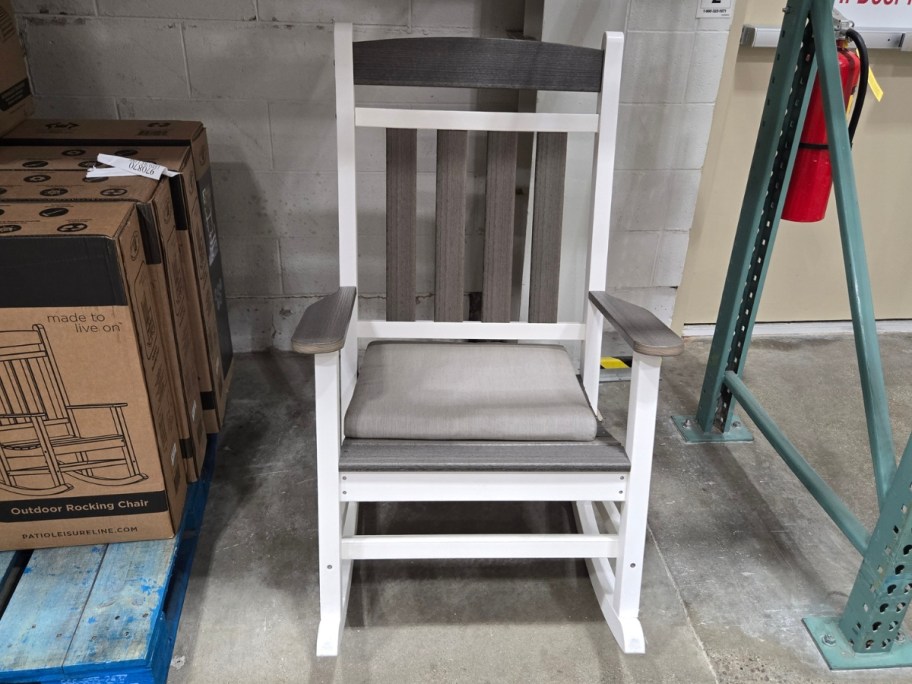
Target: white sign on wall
(715, 9)
(877, 13)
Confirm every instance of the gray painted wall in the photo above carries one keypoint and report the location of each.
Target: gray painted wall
(259, 74)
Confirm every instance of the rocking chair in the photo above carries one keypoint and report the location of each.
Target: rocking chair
(457, 410)
(40, 439)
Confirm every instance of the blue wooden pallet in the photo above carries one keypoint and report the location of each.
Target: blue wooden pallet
(104, 614)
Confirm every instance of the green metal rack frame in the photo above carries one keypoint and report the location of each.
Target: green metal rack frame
(869, 632)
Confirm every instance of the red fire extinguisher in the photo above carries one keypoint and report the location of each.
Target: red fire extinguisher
(812, 177)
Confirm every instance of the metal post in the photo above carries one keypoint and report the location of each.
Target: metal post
(782, 119)
(869, 632)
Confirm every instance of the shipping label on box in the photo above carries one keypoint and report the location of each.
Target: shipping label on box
(88, 433)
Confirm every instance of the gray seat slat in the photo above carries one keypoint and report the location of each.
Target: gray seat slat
(603, 454)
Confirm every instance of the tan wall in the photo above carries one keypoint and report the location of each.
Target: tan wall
(806, 279)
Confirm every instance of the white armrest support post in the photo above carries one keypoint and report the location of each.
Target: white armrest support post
(329, 441)
(641, 421)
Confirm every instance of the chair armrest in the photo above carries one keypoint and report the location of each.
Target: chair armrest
(639, 327)
(94, 406)
(22, 415)
(324, 325)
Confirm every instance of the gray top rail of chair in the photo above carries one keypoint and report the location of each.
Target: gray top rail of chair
(478, 63)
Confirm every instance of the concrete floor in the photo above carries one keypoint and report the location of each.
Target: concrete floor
(737, 553)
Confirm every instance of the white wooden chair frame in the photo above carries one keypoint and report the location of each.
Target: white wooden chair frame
(610, 507)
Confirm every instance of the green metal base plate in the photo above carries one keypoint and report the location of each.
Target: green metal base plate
(693, 434)
(840, 655)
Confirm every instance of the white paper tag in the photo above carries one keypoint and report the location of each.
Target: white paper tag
(124, 166)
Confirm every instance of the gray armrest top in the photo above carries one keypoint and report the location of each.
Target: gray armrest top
(642, 330)
(324, 325)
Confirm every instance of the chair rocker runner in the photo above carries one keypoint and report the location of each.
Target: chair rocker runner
(430, 417)
(41, 442)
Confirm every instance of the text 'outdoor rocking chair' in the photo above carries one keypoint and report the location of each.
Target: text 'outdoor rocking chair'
(431, 415)
(41, 444)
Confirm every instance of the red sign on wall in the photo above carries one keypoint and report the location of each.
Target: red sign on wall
(888, 14)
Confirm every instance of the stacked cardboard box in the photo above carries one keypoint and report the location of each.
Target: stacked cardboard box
(97, 271)
(15, 92)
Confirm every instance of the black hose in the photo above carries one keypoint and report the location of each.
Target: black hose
(856, 38)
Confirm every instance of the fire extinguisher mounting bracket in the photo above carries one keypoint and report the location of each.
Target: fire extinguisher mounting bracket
(841, 23)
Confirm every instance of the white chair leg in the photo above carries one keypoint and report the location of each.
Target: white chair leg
(329, 506)
(600, 573)
(641, 419)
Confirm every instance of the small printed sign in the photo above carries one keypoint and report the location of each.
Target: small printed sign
(714, 9)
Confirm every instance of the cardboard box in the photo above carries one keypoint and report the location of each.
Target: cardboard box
(15, 93)
(87, 425)
(164, 255)
(129, 135)
(191, 233)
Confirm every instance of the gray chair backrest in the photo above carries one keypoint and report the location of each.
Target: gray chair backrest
(475, 63)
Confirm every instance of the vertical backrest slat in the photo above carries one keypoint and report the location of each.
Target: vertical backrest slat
(401, 219)
(33, 391)
(17, 400)
(24, 388)
(452, 157)
(55, 384)
(25, 369)
(41, 374)
(8, 401)
(547, 219)
(48, 387)
(500, 199)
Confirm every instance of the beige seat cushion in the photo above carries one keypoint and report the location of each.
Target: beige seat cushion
(486, 391)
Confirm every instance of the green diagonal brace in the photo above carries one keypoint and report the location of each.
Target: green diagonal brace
(867, 349)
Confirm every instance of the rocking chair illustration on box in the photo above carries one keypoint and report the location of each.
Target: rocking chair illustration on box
(41, 443)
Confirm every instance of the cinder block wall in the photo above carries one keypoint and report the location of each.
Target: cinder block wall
(259, 74)
(672, 67)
